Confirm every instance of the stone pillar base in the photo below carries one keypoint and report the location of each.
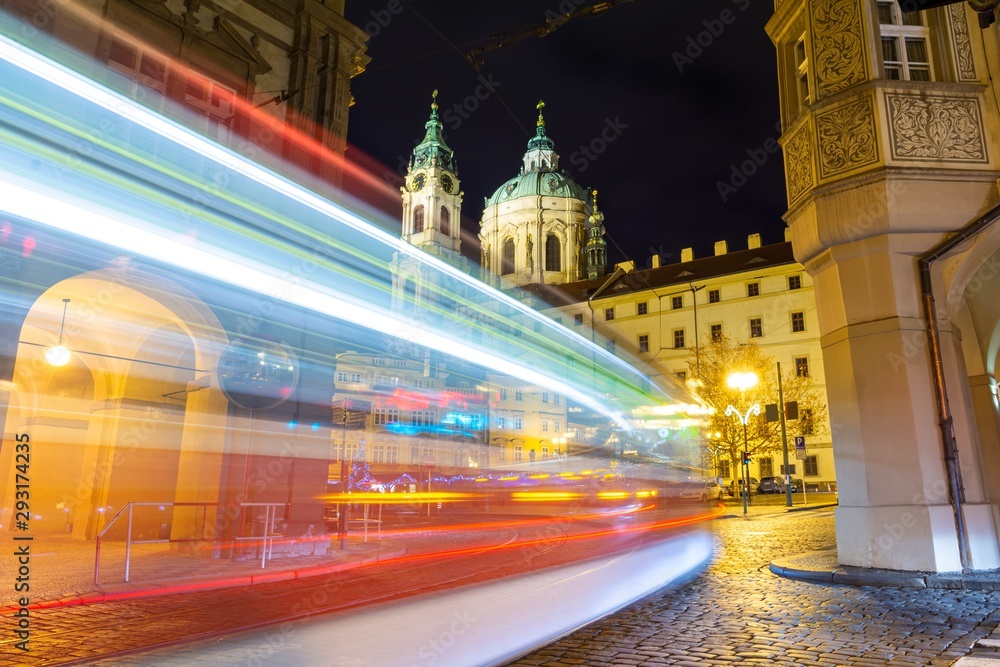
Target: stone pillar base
(919, 538)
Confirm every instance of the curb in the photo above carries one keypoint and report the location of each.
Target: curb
(859, 576)
(126, 592)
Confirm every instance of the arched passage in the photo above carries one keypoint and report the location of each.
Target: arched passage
(135, 415)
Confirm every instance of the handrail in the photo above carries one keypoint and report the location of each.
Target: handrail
(267, 539)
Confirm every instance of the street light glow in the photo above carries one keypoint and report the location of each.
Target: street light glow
(742, 381)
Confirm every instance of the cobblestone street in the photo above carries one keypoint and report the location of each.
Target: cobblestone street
(739, 612)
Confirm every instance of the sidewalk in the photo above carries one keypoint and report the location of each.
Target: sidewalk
(61, 569)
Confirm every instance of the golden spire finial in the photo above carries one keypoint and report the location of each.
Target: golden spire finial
(434, 99)
(594, 196)
(540, 106)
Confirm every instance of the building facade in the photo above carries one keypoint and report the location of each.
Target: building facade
(890, 139)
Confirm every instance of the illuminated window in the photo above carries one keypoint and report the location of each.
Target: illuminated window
(756, 328)
(716, 331)
(905, 52)
(801, 72)
(643, 342)
(798, 321)
(802, 367)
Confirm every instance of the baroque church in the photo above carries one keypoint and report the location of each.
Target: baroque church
(539, 227)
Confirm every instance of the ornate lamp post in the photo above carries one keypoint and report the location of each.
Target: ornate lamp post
(743, 381)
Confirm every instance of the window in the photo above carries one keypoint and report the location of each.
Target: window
(518, 423)
(811, 466)
(503, 393)
(790, 470)
(386, 415)
(518, 395)
(555, 399)
(753, 289)
(905, 54)
(507, 266)
(545, 397)
(678, 339)
(553, 250)
(555, 426)
(806, 426)
(517, 452)
(422, 417)
(643, 342)
(714, 296)
(348, 377)
(545, 426)
(798, 321)
(766, 464)
(641, 308)
(677, 302)
(724, 468)
(609, 313)
(418, 219)
(801, 72)
(681, 375)
(802, 367)
(501, 423)
(716, 331)
(545, 452)
(794, 282)
(578, 319)
(502, 453)
(756, 328)
(610, 346)
(445, 221)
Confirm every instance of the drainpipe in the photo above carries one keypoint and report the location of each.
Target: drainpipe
(956, 489)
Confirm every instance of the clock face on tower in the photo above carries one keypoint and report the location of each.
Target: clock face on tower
(447, 183)
(417, 183)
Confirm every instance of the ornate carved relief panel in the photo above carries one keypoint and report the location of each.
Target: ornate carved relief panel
(961, 43)
(799, 163)
(847, 137)
(838, 45)
(938, 128)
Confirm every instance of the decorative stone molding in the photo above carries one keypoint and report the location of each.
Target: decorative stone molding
(847, 137)
(838, 45)
(798, 163)
(962, 43)
(938, 128)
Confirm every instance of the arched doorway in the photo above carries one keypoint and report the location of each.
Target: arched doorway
(134, 415)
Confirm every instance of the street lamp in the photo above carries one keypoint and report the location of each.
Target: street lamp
(743, 381)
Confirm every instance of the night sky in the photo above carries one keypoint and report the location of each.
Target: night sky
(653, 102)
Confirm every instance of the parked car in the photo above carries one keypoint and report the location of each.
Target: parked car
(736, 489)
(704, 490)
(771, 485)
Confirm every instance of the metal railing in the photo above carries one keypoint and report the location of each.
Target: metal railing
(266, 538)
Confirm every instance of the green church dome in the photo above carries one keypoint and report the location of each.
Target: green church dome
(535, 183)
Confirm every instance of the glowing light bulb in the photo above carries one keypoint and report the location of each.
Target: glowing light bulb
(57, 355)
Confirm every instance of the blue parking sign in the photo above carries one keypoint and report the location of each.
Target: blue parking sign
(800, 447)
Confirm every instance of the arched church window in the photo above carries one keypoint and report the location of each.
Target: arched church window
(418, 219)
(445, 221)
(507, 267)
(553, 253)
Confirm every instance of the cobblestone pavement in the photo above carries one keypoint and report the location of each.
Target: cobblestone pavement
(738, 612)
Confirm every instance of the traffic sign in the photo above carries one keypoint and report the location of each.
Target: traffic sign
(430, 461)
(800, 448)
